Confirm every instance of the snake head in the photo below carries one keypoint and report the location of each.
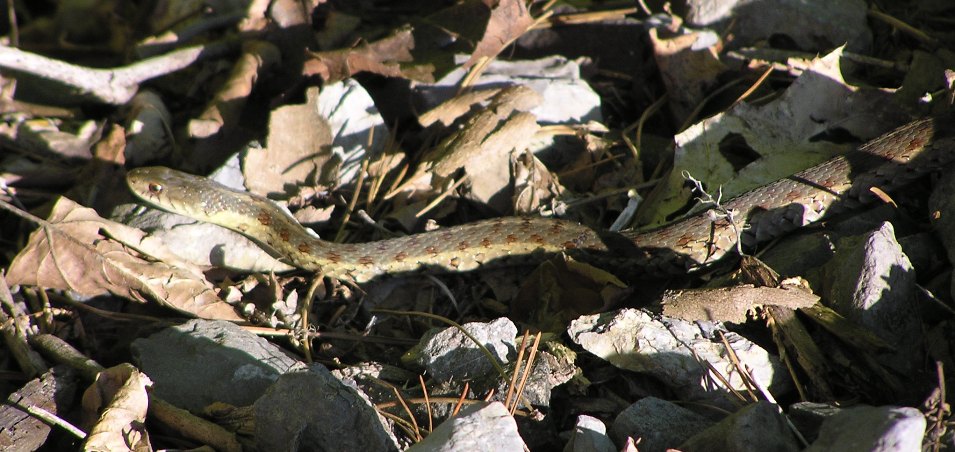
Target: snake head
(183, 193)
(163, 187)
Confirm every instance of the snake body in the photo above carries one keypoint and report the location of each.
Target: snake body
(887, 162)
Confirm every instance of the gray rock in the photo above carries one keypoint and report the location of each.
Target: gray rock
(485, 426)
(871, 429)
(369, 375)
(804, 254)
(202, 361)
(808, 417)
(312, 410)
(449, 354)
(589, 435)
(873, 283)
(673, 350)
(759, 426)
(658, 424)
(812, 24)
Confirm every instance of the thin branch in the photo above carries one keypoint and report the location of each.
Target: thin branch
(110, 86)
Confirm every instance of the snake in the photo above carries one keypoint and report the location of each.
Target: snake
(696, 241)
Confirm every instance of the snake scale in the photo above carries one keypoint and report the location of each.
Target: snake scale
(886, 162)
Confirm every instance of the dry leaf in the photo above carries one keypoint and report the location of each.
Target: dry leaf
(535, 187)
(119, 400)
(70, 252)
(298, 150)
(452, 109)
(482, 147)
(689, 73)
(562, 289)
(383, 57)
(751, 145)
(226, 108)
(509, 20)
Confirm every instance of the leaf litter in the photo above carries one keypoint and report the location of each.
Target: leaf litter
(406, 118)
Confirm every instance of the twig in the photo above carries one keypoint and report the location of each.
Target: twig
(427, 403)
(446, 291)
(110, 86)
(437, 200)
(15, 331)
(520, 357)
(53, 419)
(414, 422)
(354, 199)
(527, 373)
(306, 308)
(903, 27)
(717, 210)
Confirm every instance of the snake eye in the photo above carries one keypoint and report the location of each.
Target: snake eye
(155, 188)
